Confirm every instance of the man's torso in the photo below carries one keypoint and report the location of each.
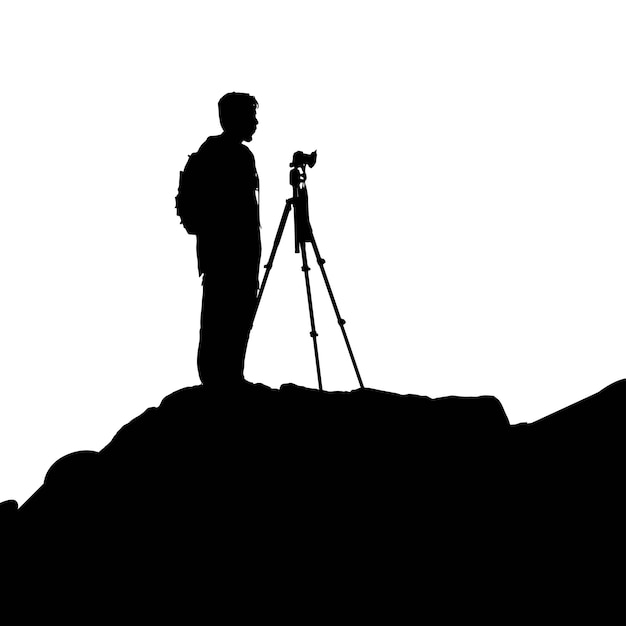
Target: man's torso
(229, 235)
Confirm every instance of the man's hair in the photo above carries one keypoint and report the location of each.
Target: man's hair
(233, 105)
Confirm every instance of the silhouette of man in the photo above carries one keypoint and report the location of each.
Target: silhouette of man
(229, 242)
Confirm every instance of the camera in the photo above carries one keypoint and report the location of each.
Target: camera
(300, 159)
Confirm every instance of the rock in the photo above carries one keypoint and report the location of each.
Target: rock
(293, 505)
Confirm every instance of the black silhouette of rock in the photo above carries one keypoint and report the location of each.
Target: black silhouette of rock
(293, 506)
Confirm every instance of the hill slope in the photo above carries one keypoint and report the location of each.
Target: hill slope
(298, 506)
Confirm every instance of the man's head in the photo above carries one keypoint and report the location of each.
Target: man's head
(238, 115)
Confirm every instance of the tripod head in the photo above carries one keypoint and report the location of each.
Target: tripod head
(300, 197)
(300, 159)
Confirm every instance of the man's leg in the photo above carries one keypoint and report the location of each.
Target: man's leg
(247, 307)
(225, 323)
(203, 345)
(220, 347)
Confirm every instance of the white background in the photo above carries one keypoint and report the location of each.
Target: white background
(469, 200)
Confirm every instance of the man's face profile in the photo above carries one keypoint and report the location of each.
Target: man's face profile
(238, 116)
(249, 123)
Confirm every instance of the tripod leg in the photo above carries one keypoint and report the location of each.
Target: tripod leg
(340, 321)
(268, 266)
(305, 269)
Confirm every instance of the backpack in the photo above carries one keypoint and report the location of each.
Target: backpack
(187, 198)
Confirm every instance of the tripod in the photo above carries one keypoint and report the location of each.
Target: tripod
(303, 235)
